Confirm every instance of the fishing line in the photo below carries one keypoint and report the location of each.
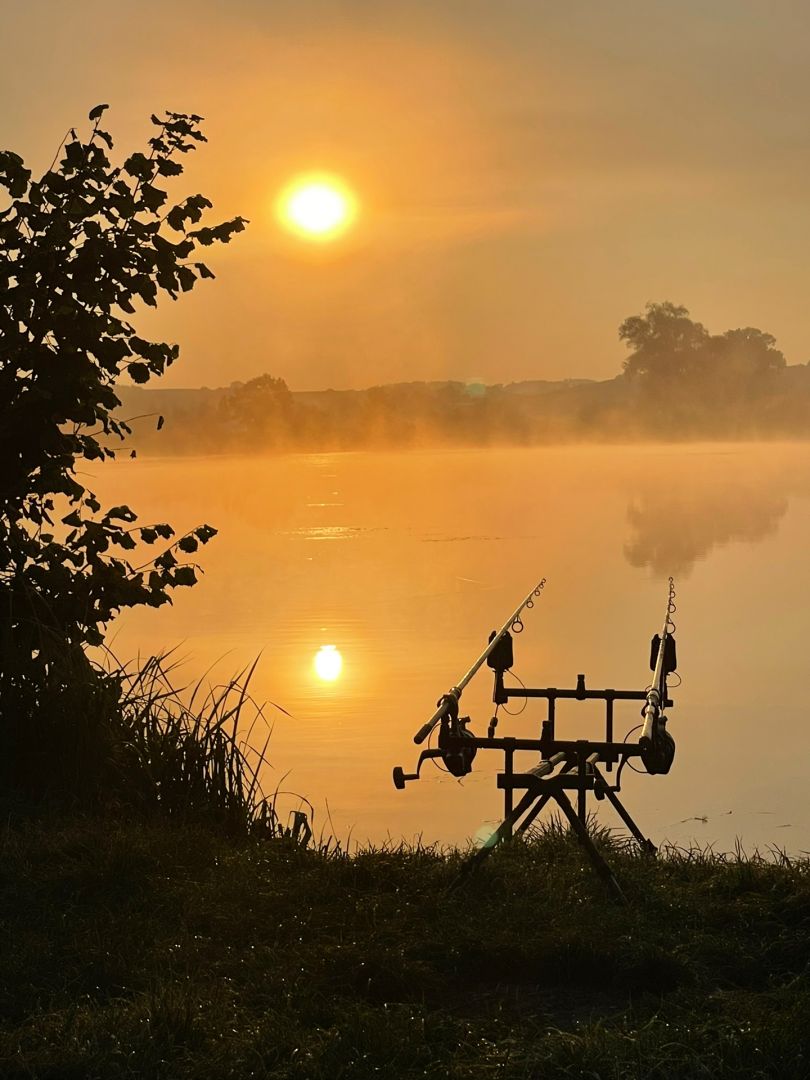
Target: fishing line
(515, 712)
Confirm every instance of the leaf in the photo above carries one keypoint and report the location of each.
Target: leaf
(175, 218)
(153, 198)
(188, 544)
(139, 373)
(122, 513)
(167, 167)
(139, 165)
(95, 113)
(185, 575)
(204, 236)
(186, 277)
(13, 174)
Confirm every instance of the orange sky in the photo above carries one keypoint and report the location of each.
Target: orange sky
(529, 172)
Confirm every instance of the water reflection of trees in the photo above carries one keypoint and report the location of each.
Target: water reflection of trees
(677, 523)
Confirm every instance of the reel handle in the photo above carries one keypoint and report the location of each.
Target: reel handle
(424, 731)
(400, 777)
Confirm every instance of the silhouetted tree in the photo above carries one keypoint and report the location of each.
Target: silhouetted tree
(728, 384)
(79, 249)
(258, 412)
(666, 344)
(748, 358)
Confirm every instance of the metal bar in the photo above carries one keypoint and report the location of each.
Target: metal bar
(566, 779)
(546, 766)
(552, 693)
(582, 790)
(508, 792)
(502, 742)
(456, 690)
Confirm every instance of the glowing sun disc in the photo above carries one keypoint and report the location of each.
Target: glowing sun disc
(317, 207)
(328, 663)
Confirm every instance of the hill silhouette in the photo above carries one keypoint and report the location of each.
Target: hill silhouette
(679, 382)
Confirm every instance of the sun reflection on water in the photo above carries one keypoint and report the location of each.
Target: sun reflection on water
(328, 663)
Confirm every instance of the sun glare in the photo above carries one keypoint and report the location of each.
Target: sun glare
(317, 207)
(328, 663)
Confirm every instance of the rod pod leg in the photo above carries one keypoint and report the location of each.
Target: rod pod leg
(601, 867)
(646, 845)
(503, 832)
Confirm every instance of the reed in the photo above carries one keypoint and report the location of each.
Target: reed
(131, 739)
(189, 752)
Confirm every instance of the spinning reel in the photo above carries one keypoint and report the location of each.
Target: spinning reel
(456, 745)
(656, 745)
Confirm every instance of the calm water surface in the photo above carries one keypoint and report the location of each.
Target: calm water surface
(406, 561)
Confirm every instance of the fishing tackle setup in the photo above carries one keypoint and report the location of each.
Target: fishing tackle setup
(578, 766)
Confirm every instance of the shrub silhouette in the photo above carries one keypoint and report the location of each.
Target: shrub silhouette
(79, 249)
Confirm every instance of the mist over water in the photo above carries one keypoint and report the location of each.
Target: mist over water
(404, 561)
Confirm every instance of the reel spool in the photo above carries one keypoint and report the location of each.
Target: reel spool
(457, 750)
(657, 753)
(456, 743)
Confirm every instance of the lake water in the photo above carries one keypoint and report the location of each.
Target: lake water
(406, 561)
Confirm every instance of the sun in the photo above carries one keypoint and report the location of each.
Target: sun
(317, 206)
(328, 663)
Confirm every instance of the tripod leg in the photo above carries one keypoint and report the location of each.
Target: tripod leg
(541, 802)
(503, 831)
(532, 814)
(646, 845)
(584, 838)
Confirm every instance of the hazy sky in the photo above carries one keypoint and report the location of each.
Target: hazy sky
(529, 172)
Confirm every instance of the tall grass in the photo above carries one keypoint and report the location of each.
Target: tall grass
(191, 752)
(131, 739)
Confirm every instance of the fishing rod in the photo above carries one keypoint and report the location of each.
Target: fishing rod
(457, 745)
(449, 701)
(656, 744)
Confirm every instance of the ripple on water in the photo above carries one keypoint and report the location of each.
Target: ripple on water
(325, 532)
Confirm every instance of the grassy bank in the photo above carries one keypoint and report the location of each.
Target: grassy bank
(156, 951)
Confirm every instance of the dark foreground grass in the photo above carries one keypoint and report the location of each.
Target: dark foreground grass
(172, 951)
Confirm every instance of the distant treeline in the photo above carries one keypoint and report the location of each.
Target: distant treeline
(678, 382)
